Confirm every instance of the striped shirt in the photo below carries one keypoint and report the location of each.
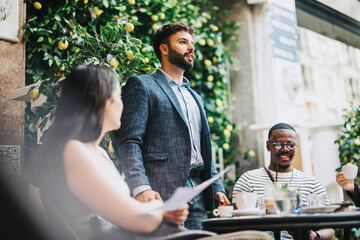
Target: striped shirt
(255, 180)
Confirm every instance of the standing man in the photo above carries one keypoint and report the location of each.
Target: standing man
(281, 143)
(165, 138)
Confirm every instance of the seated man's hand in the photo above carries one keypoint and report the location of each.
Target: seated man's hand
(346, 184)
(148, 195)
(221, 197)
(178, 216)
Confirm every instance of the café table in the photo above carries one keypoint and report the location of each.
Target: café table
(300, 223)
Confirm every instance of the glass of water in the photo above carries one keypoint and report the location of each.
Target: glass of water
(285, 201)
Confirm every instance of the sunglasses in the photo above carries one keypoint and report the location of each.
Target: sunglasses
(279, 145)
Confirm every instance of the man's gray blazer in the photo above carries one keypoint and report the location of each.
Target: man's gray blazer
(154, 140)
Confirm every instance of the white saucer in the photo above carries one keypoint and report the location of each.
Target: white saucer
(323, 209)
(243, 212)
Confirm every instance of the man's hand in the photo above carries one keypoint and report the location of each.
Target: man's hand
(346, 184)
(178, 216)
(221, 197)
(148, 195)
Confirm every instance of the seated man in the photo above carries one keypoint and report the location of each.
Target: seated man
(281, 144)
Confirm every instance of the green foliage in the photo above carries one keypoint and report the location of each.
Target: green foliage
(349, 148)
(94, 30)
(349, 139)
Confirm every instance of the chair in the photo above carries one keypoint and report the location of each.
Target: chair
(60, 229)
(241, 235)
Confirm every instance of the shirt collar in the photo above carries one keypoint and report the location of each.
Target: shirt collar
(185, 83)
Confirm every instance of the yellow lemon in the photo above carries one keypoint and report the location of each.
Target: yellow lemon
(130, 55)
(129, 27)
(63, 44)
(114, 62)
(144, 50)
(37, 5)
(147, 60)
(162, 16)
(229, 127)
(210, 119)
(340, 142)
(225, 146)
(198, 25)
(251, 153)
(192, 83)
(215, 28)
(215, 59)
(218, 83)
(86, 1)
(210, 42)
(98, 11)
(39, 121)
(35, 94)
(218, 102)
(349, 163)
(207, 63)
(227, 133)
(210, 78)
(77, 50)
(110, 148)
(59, 74)
(357, 142)
(154, 17)
(155, 27)
(345, 159)
(202, 42)
(131, 2)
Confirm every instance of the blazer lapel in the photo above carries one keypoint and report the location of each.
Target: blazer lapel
(205, 126)
(165, 86)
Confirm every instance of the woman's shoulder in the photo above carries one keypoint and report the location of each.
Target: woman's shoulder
(74, 146)
(75, 150)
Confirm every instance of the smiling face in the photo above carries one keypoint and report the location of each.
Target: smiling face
(180, 50)
(284, 155)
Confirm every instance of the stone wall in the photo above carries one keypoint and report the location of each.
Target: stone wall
(12, 77)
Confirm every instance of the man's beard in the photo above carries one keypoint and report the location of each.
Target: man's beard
(179, 60)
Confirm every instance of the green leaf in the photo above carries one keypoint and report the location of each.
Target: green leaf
(106, 3)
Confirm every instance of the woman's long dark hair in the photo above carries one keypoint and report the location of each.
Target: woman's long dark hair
(79, 115)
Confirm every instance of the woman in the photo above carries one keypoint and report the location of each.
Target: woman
(77, 175)
(352, 189)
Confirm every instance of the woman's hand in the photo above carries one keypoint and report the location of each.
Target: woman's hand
(221, 197)
(346, 184)
(178, 216)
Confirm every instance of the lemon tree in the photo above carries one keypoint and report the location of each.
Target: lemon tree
(117, 34)
(349, 139)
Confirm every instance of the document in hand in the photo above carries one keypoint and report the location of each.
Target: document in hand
(182, 195)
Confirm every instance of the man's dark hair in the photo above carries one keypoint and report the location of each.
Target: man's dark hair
(162, 35)
(280, 126)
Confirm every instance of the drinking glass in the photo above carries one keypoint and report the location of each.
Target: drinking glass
(285, 201)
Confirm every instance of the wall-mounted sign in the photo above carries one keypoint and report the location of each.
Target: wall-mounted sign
(9, 20)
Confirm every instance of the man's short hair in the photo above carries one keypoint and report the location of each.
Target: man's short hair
(162, 35)
(280, 126)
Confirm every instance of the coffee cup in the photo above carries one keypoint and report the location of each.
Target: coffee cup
(223, 211)
(350, 171)
(246, 200)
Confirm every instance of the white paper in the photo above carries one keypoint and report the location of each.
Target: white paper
(183, 195)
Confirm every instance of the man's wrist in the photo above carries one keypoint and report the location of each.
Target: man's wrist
(318, 236)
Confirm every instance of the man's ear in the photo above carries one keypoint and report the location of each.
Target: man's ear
(268, 145)
(164, 49)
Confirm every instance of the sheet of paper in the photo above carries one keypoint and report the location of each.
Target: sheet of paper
(183, 195)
